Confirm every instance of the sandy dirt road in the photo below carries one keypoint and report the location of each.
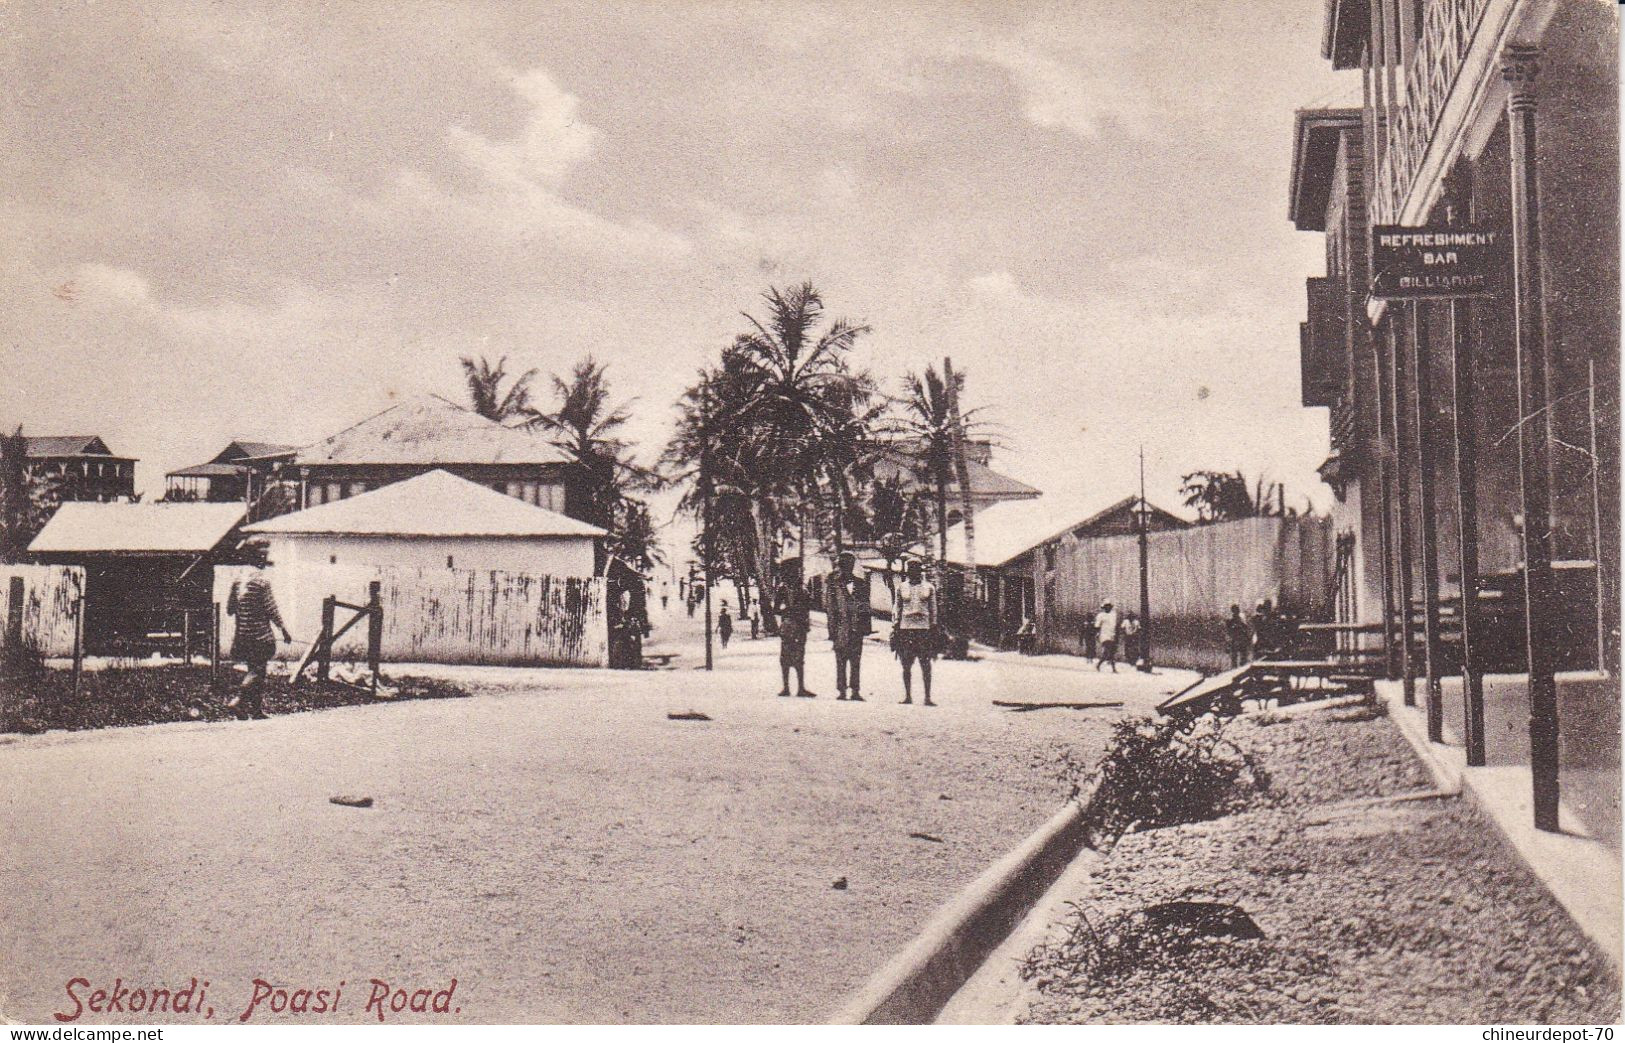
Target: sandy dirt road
(555, 844)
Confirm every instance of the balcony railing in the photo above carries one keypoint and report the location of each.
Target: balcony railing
(1447, 35)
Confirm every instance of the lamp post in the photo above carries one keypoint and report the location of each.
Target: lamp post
(1144, 514)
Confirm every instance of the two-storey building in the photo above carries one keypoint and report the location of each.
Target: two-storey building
(1475, 440)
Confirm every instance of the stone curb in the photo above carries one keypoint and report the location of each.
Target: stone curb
(915, 985)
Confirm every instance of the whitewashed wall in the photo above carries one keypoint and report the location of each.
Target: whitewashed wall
(552, 556)
(441, 615)
(50, 599)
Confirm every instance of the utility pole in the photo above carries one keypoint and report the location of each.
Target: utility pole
(961, 614)
(1145, 572)
(705, 505)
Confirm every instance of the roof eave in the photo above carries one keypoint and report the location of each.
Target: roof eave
(376, 534)
(1315, 137)
(1344, 32)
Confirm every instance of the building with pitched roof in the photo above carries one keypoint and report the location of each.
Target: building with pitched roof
(1015, 538)
(987, 486)
(149, 568)
(224, 477)
(415, 437)
(435, 520)
(81, 466)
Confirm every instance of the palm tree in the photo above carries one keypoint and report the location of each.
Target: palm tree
(812, 414)
(1225, 496)
(928, 424)
(485, 390)
(775, 434)
(585, 425)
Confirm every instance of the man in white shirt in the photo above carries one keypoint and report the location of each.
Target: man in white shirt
(1106, 626)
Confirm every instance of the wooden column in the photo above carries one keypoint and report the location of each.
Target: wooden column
(1401, 504)
(1385, 486)
(1427, 523)
(1463, 409)
(324, 653)
(375, 630)
(1519, 67)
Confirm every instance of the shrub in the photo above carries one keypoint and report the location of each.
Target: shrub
(1157, 773)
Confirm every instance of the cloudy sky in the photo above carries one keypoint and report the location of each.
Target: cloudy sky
(224, 220)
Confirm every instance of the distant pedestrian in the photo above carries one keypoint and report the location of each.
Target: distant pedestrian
(1091, 637)
(1238, 636)
(725, 626)
(1027, 637)
(1264, 629)
(790, 605)
(254, 643)
(846, 607)
(1106, 628)
(1129, 634)
(914, 633)
(665, 593)
(755, 625)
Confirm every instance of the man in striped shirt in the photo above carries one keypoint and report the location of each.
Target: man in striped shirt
(254, 643)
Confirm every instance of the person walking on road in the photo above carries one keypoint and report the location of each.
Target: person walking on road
(254, 643)
(914, 629)
(1264, 629)
(1091, 637)
(790, 604)
(846, 607)
(1238, 636)
(725, 626)
(1129, 637)
(1106, 629)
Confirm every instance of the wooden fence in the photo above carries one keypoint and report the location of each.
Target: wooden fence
(442, 615)
(38, 607)
(1195, 575)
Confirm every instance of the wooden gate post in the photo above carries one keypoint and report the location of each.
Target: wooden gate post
(14, 615)
(324, 653)
(375, 630)
(78, 641)
(214, 651)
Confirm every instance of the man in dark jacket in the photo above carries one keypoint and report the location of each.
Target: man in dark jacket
(846, 606)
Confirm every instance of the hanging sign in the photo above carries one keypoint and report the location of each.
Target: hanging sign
(1430, 262)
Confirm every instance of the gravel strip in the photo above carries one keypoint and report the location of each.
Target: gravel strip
(1405, 912)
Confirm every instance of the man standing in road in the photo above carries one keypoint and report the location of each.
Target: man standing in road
(790, 605)
(1238, 635)
(914, 635)
(1106, 629)
(846, 606)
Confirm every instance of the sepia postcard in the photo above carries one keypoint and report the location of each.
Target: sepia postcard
(807, 512)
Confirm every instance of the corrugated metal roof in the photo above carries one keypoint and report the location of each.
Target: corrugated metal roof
(173, 528)
(67, 445)
(985, 482)
(207, 471)
(430, 430)
(434, 504)
(1006, 531)
(247, 450)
